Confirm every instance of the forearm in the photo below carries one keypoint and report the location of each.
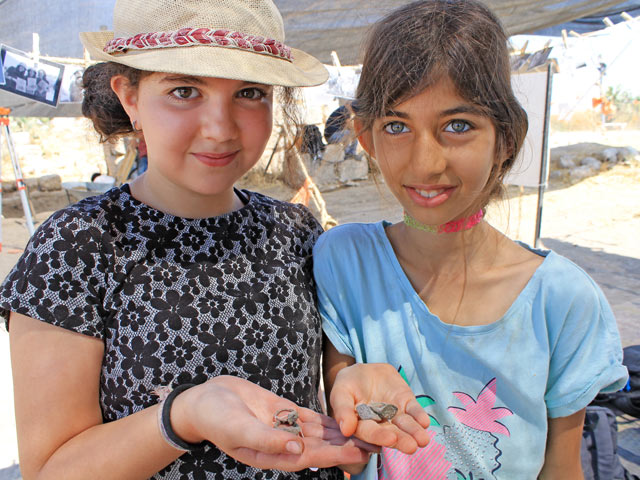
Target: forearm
(59, 419)
(129, 448)
(562, 456)
(563, 473)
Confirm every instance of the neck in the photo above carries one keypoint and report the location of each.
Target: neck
(464, 223)
(172, 199)
(448, 254)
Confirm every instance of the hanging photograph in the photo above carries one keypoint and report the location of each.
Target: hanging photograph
(71, 90)
(1, 74)
(39, 81)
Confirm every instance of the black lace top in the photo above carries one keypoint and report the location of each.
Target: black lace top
(178, 301)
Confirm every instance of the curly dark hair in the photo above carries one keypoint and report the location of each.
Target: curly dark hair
(100, 103)
(415, 46)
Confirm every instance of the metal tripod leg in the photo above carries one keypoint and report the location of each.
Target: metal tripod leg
(19, 180)
(0, 189)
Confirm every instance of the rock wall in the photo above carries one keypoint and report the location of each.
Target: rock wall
(45, 194)
(577, 162)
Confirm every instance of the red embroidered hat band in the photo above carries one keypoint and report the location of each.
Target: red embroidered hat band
(247, 37)
(186, 37)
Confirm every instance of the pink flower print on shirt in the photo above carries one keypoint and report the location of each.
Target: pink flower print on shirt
(465, 450)
(426, 463)
(481, 414)
(471, 442)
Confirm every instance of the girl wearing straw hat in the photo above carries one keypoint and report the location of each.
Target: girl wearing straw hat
(165, 328)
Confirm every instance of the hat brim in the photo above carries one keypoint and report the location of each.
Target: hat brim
(210, 61)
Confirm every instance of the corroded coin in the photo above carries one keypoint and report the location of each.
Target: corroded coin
(287, 420)
(377, 411)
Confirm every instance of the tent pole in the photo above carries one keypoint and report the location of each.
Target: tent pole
(4, 126)
(544, 170)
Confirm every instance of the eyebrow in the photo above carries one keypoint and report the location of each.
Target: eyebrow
(178, 79)
(471, 109)
(182, 79)
(394, 113)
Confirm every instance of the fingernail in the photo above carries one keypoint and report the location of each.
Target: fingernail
(294, 447)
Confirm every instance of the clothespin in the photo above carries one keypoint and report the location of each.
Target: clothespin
(36, 48)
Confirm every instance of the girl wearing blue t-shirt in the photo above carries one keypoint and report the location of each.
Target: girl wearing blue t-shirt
(502, 345)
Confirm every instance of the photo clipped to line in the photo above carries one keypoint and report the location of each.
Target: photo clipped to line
(39, 81)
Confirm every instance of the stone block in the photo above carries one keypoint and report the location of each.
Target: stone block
(352, 169)
(333, 153)
(31, 183)
(323, 174)
(556, 175)
(566, 161)
(628, 155)
(49, 201)
(610, 155)
(591, 162)
(581, 172)
(50, 183)
(8, 186)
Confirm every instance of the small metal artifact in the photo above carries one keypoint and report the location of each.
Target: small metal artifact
(377, 411)
(286, 419)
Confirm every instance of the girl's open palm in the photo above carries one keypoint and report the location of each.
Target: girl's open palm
(378, 382)
(242, 427)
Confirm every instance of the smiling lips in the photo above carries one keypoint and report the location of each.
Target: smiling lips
(430, 197)
(216, 159)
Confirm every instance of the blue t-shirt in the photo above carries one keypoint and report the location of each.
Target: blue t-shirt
(488, 389)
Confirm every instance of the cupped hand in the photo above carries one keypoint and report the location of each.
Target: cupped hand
(237, 416)
(379, 382)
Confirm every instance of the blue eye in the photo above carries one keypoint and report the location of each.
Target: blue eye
(184, 93)
(395, 128)
(457, 126)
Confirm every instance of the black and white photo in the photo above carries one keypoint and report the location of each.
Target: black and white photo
(71, 90)
(39, 81)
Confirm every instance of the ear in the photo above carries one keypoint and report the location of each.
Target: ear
(364, 137)
(127, 94)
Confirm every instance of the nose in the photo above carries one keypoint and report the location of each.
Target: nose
(429, 156)
(218, 121)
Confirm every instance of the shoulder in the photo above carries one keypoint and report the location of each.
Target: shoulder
(344, 245)
(91, 211)
(90, 225)
(569, 299)
(349, 236)
(564, 281)
(289, 215)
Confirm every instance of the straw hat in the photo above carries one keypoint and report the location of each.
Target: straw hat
(235, 39)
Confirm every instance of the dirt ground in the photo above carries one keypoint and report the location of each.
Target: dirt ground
(595, 223)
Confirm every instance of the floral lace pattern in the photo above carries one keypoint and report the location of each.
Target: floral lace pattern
(178, 301)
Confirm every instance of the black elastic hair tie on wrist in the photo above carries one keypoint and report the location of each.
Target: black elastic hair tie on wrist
(164, 422)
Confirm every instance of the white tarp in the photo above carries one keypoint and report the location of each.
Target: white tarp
(316, 26)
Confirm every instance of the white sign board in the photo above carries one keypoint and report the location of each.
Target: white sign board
(531, 91)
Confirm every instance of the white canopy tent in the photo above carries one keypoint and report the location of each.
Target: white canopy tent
(316, 26)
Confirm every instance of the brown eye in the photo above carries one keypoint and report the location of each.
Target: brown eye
(252, 93)
(184, 93)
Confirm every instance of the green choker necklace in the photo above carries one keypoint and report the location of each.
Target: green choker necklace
(449, 227)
